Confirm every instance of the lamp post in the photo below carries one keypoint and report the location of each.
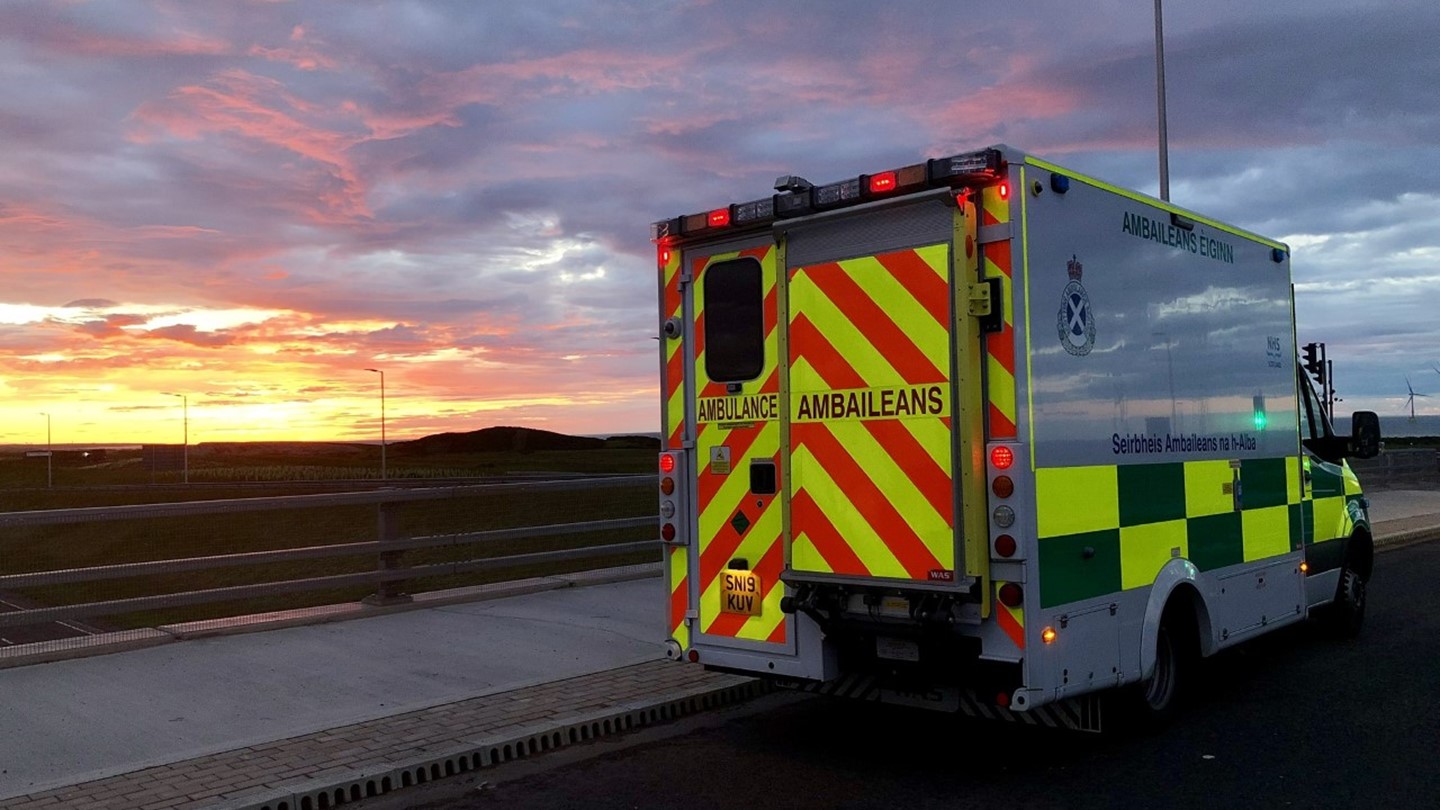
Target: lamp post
(49, 455)
(185, 447)
(1160, 104)
(382, 421)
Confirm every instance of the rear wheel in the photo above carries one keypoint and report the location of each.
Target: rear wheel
(1153, 702)
(1161, 692)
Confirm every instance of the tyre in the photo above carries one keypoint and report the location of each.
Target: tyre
(1346, 615)
(1160, 693)
(1153, 703)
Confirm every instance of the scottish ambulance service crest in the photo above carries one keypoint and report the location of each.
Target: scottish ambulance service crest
(1076, 322)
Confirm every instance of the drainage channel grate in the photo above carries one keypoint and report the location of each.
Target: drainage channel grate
(320, 795)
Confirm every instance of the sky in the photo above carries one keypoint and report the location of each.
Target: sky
(250, 203)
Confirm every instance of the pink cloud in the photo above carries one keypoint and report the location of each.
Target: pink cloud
(249, 108)
(89, 43)
(302, 58)
(579, 72)
(185, 333)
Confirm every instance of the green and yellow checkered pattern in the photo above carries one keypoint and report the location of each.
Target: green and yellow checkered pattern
(1110, 528)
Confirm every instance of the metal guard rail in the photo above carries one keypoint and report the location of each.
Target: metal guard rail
(389, 549)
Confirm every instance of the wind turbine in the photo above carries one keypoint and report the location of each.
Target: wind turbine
(1411, 400)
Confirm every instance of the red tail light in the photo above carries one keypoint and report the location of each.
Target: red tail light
(1011, 595)
(1002, 486)
(1002, 457)
(667, 463)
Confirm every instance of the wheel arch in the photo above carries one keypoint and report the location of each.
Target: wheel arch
(1360, 553)
(1178, 591)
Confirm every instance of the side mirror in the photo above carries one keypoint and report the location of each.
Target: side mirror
(1364, 434)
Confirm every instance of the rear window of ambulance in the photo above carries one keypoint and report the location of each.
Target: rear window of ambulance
(734, 320)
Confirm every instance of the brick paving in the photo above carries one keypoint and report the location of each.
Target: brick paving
(279, 774)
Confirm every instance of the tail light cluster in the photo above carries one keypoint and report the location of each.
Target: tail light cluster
(1003, 501)
(672, 493)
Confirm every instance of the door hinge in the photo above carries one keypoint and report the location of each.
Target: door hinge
(998, 232)
(986, 305)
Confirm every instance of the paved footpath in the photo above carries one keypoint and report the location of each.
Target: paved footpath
(577, 664)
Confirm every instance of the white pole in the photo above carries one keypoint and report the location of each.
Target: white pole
(1160, 104)
(383, 473)
(185, 447)
(49, 455)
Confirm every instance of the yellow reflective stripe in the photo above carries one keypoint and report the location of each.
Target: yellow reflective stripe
(857, 533)
(1018, 614)
(1205, 483)
(1330, 516)
(1293, 493)
(931, 526)
(1267, 532)
(1002, 388)
(805, 557)
(993, 204)
(1145, 549)
(1071, 500)
(758, 540)
(1151, 201)
(929, 336)
(1352, 483)
(937, 257)
(675, 405)
(1029, 344)
(675, 410)
(872, 366)
(679, 562)
(737, 483)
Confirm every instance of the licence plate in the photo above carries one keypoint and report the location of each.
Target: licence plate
(740, 592)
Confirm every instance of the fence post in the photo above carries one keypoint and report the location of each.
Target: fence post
(389, 592)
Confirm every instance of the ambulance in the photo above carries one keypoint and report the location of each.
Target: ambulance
(988, 435)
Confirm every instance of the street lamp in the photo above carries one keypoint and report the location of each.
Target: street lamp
(1160, 104)
(382, 421)
(185, 449)
(49, 455)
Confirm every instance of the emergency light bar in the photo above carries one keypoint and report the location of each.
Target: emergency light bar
(798, 198)
(754, 211)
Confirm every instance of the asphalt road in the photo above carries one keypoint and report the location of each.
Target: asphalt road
(1296, 719)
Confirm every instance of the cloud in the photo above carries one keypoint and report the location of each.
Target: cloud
(285, 193)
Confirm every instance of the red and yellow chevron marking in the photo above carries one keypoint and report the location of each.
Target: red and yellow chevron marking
(870, 416)
(1000, 346)
(733, 523)
(673, 384)
(1012, 620)
(677, 563)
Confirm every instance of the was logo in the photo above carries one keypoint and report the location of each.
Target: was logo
(1076, 321)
